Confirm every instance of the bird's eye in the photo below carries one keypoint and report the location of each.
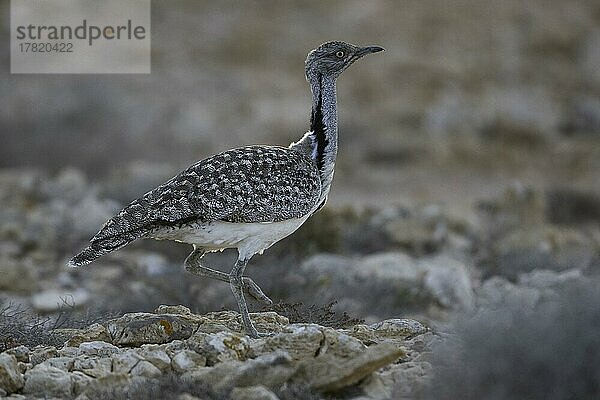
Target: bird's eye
(340, 54)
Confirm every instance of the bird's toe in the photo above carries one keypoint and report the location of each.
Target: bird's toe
(255, 291)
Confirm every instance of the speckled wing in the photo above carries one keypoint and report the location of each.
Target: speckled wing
(248, 184)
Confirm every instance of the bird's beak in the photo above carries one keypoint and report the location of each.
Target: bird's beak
(363, 51)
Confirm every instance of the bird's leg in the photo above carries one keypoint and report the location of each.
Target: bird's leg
(235, 281)
(193, 266)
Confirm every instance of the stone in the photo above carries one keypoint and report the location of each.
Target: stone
(123, 363)
(23, 367)
(114, 381)
(394, 330)
(420, 348)
(396, 266)
(543, 247)
(270, 370)
(398, 327)
(258, 392)
(441, 281)
(11, 379)
(518, 206)
(301, 341)
(340, 344)
(152, 264)
(347, 279)
(175, 309)
(497, 292)
(80, 382)
(21, 353)
(62, 363)
(94, 332)
(421, 230)
(173, 347)
(401, 381)
(136, 329)
(323, 267)
(185, 360)
(97, 348)
(157, 356)
(216, 322)
(226, 346)
(325, 359)
(47, 381)
(146, 369)
(449, 282)
(328, 373)
(92, 366)
(68, 351)
(42, 353)
(53, 300)
(544, 279)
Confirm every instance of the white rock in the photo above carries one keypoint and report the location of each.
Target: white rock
(97, 348)
(47, 381)
(63, 363)
(229, 346)
(146, 369)
(152, 264)
(157, 356)
(398, 328)
(325, 266)
(54, 300)
(449, 282)
(542, 279)
(498, 292)
(390, 266)
(92, 366)
(80, 382)
(11, 379)
(123, 363)
(184, 360)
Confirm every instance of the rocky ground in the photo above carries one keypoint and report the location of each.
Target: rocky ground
(216, 360)
(399, 302)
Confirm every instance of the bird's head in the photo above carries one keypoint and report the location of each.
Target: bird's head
(332, 58)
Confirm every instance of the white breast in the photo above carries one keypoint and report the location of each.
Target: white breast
(249, 238)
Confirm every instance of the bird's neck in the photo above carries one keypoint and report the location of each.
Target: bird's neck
(321, 140)
(323, 119)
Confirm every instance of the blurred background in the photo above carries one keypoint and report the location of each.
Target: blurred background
(468, 171)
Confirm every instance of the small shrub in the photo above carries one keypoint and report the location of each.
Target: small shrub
(22, 326)
(551, 352)
(323, 315)
(19, 326)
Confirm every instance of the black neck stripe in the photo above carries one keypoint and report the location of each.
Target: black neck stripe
(318, 127)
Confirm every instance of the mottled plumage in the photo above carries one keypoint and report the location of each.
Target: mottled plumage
(248, 184)
(246, 198)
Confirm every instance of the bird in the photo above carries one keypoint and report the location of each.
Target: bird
(246, 198)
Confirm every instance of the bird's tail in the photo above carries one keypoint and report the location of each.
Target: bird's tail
(101, 247)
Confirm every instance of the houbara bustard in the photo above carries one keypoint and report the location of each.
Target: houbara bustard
(246, 198)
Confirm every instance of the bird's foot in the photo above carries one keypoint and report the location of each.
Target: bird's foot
(265, 334)
(253, 290)
(254, 334)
